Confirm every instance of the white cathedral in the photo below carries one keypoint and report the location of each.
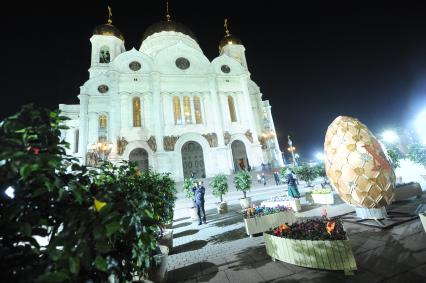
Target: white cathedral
(168, 107)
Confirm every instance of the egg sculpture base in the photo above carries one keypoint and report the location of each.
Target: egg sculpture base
(371, 213)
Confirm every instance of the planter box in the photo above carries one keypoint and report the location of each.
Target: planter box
(245, 202)
(294, 204)
(222, 207)
(323, 198)
(167, 239)
(423, 220)
(264, 223)
(330, 255)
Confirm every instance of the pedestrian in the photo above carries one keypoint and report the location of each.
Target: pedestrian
(258, 178)
(192, 174)
(199, 191)
(293, 191)
(277, 178)
(263, 178)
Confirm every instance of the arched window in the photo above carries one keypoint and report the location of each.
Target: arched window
(176, 110)
(104, 56)
(232, 109)
(187, 110)
(136, 112)
(197, 110)
(103, 127)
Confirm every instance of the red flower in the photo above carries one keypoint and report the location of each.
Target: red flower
(36, 150)
(330, 227)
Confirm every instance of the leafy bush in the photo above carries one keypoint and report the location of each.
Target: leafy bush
(321, 191)
(417, 153)
(320, 171)
(306, 173)
(394, 157)
(242, 182)
(219, 185)
(188, 184)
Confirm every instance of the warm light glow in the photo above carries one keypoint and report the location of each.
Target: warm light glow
(292, 148)
(390, 136)
(319, 156)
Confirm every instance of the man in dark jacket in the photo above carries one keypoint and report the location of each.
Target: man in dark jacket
(199, 191)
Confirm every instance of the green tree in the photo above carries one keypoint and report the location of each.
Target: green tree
(306, 173)
(188, 184)
(219, 185)
(417, 153)
(242, 181)
(320, 171)
(394, 157)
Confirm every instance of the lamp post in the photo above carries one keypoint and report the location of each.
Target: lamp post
(99, 152)
(291, 149)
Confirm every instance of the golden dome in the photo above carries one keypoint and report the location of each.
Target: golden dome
(229, 39)
(168, 26)
(108, 29)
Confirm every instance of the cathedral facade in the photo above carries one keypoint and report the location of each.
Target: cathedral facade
(168, 107)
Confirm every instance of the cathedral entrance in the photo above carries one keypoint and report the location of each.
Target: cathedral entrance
(239, 155)
(140, 156)
(193, 160)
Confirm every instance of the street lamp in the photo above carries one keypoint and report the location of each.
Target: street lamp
(99, 152)
(291, 148)
(390, 137)
(319, 156)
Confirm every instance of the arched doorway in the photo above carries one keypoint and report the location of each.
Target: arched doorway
(239, 155)
(193, 160)
(140, 156)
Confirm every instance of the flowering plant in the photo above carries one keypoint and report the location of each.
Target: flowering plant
(259, 211)
(321, 191)
(281, 197)
(313, 229)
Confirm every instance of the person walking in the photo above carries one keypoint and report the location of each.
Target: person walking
(277, 178)
(293, 191)
(263, 178)
(199, 191)
(258, 178)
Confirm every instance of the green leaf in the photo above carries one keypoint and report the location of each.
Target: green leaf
(53, 277)
(26, 229)
(54, 254)
(111, 228)
(74, 265)
(101, 263)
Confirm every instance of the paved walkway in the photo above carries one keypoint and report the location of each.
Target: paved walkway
(220, 251)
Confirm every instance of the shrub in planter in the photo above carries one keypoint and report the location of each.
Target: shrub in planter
(259, 219)
(259, 211)
(417, 153)
(316, 243)
(188, 184)
(306, 173)
(283, 200)
(220, 188)
(320, 196)
(242, 182)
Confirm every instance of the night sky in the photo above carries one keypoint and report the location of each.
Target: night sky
(312, 61)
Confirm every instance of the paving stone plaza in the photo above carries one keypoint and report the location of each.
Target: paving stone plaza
(220, 251)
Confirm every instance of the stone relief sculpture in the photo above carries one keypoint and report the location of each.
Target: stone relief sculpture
(211, 138)
(91, 159)
(152, 143)
(226, 138)
(262, 141)
(121, 145)
(249, 136)
(169, 142)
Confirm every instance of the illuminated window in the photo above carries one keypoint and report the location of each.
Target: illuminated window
(187, 110)
(232, 109)
(136, 112)
(176, 110)
(103, 127)
(197, 110)
(104, 56)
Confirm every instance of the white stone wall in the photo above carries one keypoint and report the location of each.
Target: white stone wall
(155, 84)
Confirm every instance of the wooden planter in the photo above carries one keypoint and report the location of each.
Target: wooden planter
(330, 255)
(222, 207)
(294, 204)
(245, 202)
(323, 198)
(167, 239)
(423, 220)
(264, 223)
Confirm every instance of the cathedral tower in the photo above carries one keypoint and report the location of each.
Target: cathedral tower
(232, 46)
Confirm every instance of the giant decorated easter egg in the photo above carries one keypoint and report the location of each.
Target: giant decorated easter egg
(356, 164)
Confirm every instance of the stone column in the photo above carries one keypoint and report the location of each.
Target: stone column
(217, 111)
(158, 116)
(114, 123)
(277, 150)
(249, 108)
(84, 125)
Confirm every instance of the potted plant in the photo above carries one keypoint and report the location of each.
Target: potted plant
(306, 173)
(259, 219)
(315, 243)
(188, 184)
(242, 182)
(220, 188)
(320, 195)
(283, 200)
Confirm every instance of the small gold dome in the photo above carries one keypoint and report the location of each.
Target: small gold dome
(108, 29)
(229, 39)
(168, 26)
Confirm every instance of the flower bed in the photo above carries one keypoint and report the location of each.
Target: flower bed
(260, 219)
(320, 196)
(283, 200)
(317, 243)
